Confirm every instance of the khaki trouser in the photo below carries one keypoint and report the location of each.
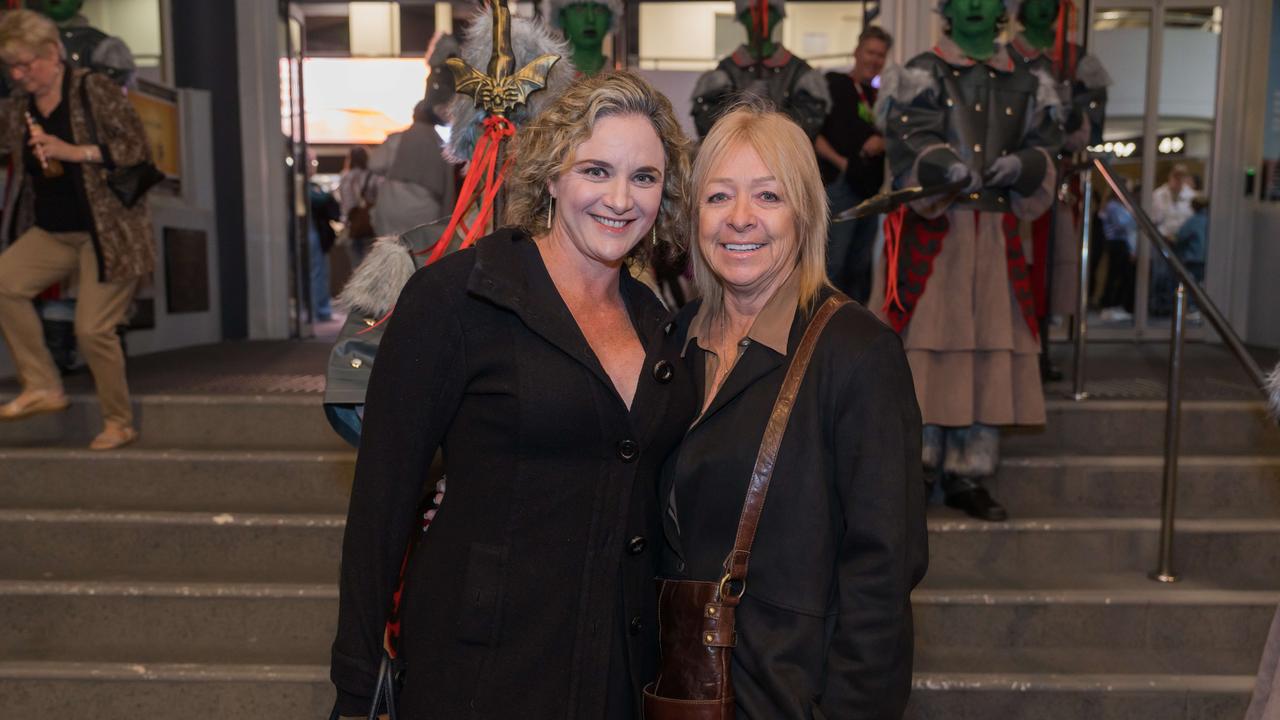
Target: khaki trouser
(37, 260)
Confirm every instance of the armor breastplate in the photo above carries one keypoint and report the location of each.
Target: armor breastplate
(982, 113)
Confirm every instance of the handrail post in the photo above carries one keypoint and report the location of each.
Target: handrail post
(1172, 427)
(1082, 298)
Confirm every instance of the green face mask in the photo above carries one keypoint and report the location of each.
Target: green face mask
(1039, 20)
(585, 25)
(974, 25)
(57, 10)
(760, 45)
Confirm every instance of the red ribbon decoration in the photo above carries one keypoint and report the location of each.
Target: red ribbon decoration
(484, 166)
(484, 161)
(892, 250)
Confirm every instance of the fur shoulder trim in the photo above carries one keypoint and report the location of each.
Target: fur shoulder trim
(1092, 73)
(1273, 391)
(1047, 93)
(901, 85)
(376, 284)
(815, 83)
(529, 39)
(551, 11)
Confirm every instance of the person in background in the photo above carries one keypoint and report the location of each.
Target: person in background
(1192, 239)
(1170, 208)
(1120, 235)
(851, 156)
(68, 220)
(357, 189)
(318, 246)
(417, 184)
(1171, 202)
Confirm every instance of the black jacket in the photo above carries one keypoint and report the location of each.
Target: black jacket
(824, 630)
(531, 595)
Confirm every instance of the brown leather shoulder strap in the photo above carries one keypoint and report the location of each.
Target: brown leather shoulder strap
(753, 505)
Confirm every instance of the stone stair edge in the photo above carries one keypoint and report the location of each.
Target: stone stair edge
(169, 517)
(936, 524)
(973, 595)
(161, 672)
(143, 453)
(170, 589)
(1081, 682)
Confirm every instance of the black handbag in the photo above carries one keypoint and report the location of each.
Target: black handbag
(130, 183)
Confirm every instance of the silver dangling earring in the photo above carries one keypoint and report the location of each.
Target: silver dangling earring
(551, 208)
(655, 234)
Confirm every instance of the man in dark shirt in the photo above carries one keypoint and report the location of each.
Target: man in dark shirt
(851, 156)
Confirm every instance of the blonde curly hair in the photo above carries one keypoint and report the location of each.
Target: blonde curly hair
(545, 147)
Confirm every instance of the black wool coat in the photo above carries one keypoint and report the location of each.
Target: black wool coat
(532, 594)
(824, 630)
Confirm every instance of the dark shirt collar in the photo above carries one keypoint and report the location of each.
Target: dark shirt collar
(771, 328)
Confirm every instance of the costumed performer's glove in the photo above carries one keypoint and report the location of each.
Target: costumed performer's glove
(1004, 172)
(960, 171)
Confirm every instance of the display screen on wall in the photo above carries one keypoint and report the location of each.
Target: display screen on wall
(357, 100)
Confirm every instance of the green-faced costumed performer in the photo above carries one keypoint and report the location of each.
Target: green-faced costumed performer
(585, 24)
(763, 67)
(957, 284)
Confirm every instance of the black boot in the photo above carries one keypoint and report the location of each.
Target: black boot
(976, 502)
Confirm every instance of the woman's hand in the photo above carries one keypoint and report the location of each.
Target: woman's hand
(52, 146)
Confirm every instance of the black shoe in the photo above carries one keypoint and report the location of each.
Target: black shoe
(1049, 372)
(978, 503)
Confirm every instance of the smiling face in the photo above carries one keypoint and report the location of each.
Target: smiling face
(608, 197)
(746, 228)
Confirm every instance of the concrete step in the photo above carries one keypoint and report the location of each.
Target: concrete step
(1079, 685)
(241, 422)
(1105, 427)
(1130, 486)
(259, 481)
(172, 622)
(126, 691)
(1236, 548)
(1132, 614)
(158, 622)
(223, 547)
(246, 547)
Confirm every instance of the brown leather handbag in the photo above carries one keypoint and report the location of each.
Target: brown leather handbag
(696, 618)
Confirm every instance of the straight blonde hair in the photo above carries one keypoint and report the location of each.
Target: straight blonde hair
(28, 30)
(786, 151)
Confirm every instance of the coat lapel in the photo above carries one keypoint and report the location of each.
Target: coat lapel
(756, 362)
(509, 272)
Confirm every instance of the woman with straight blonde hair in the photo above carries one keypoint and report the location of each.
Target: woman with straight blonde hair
(823, 624)
(539, 367)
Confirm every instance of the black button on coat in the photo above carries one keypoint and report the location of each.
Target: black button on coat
(522, 600)
(824, 630)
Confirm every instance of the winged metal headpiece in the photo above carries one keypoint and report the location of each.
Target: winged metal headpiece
(503, 89)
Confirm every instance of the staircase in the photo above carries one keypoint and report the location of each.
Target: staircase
(1051, 616)
(194, 575)
(191, 576)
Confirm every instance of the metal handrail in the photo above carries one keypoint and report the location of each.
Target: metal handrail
(1186, 284)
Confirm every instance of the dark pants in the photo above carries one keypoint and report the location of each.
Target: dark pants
(849, 244)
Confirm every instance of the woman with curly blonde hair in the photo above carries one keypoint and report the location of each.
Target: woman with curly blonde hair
(547, 376)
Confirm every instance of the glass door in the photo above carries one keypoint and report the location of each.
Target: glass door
(1161, 130)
